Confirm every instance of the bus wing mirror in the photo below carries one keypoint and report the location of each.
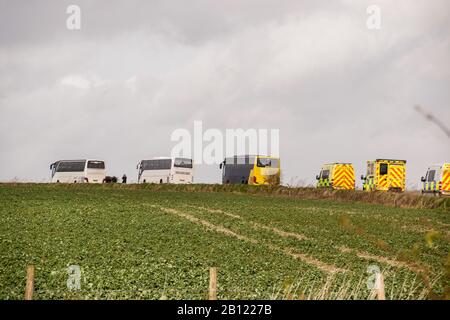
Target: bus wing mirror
(221, 165)
(422, 179)
(362, 177)
(317, 177)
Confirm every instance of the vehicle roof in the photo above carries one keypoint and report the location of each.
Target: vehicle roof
(251, 155)
(160, 158)
(330, 164)
(440, 165)
(397, 160)
(165, 158)
(74, 160)
(54, 164)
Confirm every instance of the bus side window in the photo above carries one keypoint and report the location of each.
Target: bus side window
(430, 175)
(383, 169)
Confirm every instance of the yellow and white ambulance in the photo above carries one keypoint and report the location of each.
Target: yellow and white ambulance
(337, 176)
(385, 175)
(437, 180)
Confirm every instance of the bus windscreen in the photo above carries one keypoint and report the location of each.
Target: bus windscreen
(240, 160)
(183, 163)
(96, 165)
(267, 162)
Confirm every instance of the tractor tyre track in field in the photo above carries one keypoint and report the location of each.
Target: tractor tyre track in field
(381, 259)
(286, 251)
(360, 254)
(208, 224)
(256, 225)
(210, 210)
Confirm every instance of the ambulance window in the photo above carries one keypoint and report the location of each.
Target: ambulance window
(383, 169)
(325, 174)
(370, 169)
(430, 175)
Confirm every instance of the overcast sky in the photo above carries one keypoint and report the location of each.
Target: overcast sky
(138, 70)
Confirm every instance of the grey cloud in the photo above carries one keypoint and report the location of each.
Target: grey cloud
(337, 91)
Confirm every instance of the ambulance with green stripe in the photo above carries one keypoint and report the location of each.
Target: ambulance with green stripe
(385, 175)
(336, 176)
(437, 180)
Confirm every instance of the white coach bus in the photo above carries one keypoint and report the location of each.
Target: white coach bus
(165, 170)
(78, 171)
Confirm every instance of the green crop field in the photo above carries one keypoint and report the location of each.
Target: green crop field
(134, 242)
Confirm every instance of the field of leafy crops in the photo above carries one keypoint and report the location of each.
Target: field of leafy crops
(148, 243)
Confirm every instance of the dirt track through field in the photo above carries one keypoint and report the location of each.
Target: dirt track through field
(312, 261)
(360, 254)
(208, 224)
(286, 251)
(284, 234)
(256, 225)
(231, 215)
(381, 259)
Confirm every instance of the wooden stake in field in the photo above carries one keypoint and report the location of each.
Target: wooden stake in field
(379, 288)
(29, 288)
(213, 283)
